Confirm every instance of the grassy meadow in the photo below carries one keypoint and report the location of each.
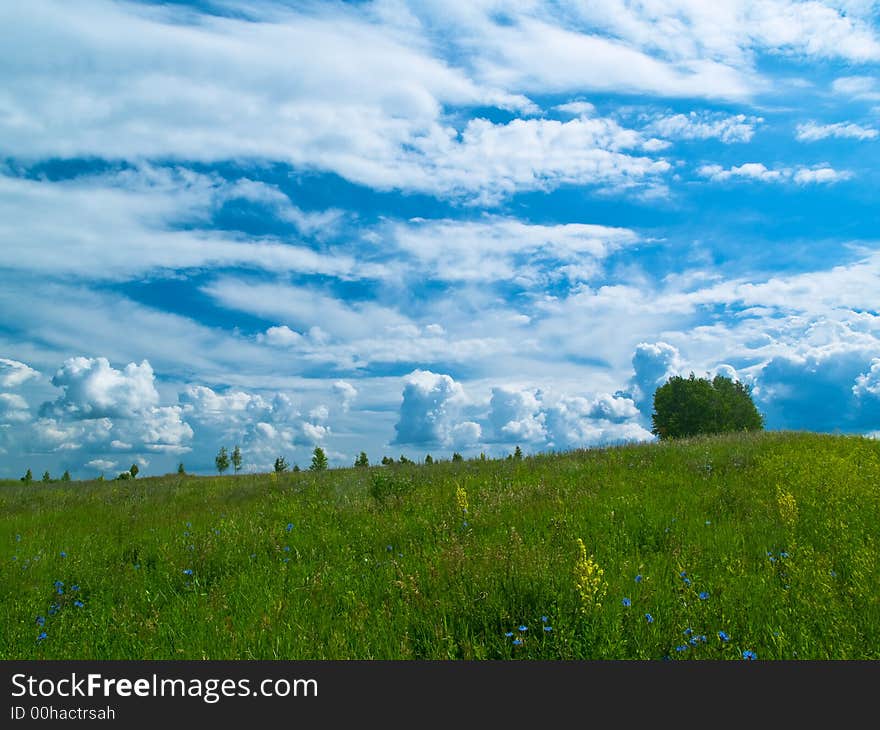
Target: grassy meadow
(761, 545)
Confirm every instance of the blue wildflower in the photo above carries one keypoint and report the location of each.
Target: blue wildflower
(464, 524)
(687, 581)
(626, 602)
(749, 655)
(704, 595)
(63, 554)
(723, 636)
(289, 526)
(75, 587)
(389, 548)
(783, 554)
(43, 635)
(548, 628)
(638, 578)
(53, 609)
(702, 638)
(287, 548)
(508, 634)
(78, 603)
(694, 641)
(18, 538)
(41, 620)
(708, 522)
(188, 571)
(544, 619)
(682, 574)
(649, 618)
(523, 628)
(688, 631)
(681, 648)
(286, 560)
(189, 524)
(517, 642)
(58, 584)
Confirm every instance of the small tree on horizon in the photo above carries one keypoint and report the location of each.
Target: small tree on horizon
(429, 459)
(362, 460)
(693, 406)
(65, 477)
(28, 477)
(517, 454)
(236, 459)
(222, 460)
(280, 465)
(319, 460)
(457, 457)
(180, 469)
(387, 461)
(134, 470)
(46, 477)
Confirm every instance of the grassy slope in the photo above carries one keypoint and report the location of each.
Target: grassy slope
(379, 562)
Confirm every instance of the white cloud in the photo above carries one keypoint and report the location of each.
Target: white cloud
(101, 464)
(705, 125)
(757, 171)
(515, 415)
(499, 249)
(860, 88)
(13, 409)
(14, 373)
(346, 391)
(653, 363)
(430, 409)
(94, 389)
(813, 132)
(127, 224)
(281, 336)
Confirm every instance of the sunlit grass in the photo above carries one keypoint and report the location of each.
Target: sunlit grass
(761, 545)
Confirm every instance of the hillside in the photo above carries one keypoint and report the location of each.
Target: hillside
(708, 548)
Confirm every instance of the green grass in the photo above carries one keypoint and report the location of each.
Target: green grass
(380, 564)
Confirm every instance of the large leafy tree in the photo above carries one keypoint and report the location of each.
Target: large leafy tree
(692, 406)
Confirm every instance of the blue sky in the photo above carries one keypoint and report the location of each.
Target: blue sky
(411, 228)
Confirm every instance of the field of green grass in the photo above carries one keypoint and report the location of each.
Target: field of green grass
(760, 545)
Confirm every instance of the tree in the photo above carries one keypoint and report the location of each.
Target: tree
(518, 453)
(46, 477)
(362, 460)
(691, 406)
(457, 457)
(295, 467)
(387, 461)
(429, 459)
(222, 460)
(180, 469)
(123, 476)
(134, 470)
(280, 465)
(236, 458)
(65, 477)
(28, 477)
(404, 460)
(319, 460)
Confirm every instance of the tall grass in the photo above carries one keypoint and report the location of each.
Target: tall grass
(763, 543)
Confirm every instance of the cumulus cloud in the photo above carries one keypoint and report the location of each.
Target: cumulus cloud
(515, 415)
(653, 363)
(94, 389)
(14, 373)
(705, 125)
(346, 392)
(430, 408)
(813, 132)
(101, 464)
